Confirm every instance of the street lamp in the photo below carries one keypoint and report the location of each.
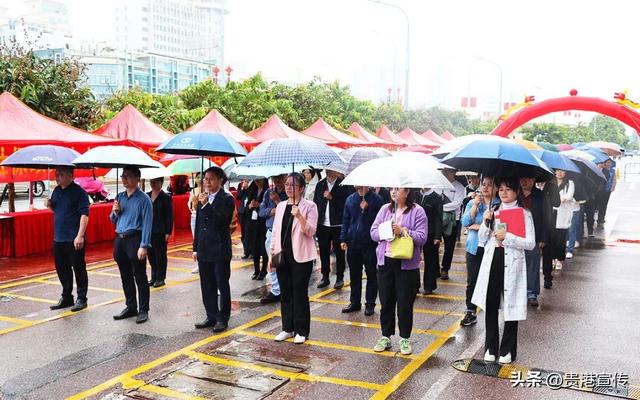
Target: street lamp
(407, 50)
(500, 70)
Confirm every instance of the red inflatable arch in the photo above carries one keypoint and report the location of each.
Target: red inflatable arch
(610, 108)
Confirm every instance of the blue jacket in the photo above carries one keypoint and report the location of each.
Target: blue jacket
(467, 221)
(356, 224)
(267, 205)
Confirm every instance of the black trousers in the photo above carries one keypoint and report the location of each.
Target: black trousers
(555, 249)
(244, 220)
(494, 294)
(70, 261)
(326, 237)
(397, 288)
(294, 294)
(133, 272)
(158, 257)
(360, 256)
(590, 210)
(449, 247)
(214, 277)
(603, 201)
(473, 268)
(259, 251)
(431, 257)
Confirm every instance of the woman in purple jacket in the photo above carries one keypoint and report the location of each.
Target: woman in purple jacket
(399, 280)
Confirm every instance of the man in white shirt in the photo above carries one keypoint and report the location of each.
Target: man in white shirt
(330, 197)
(451, 208)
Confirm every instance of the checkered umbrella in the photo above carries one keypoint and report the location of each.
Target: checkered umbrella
(288, 152)
(355, 156)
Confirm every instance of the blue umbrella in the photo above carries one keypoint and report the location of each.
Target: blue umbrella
(42, 157)
(498, 158)
(555, 160)
(202, 144)
(589, 169)
(600, 156)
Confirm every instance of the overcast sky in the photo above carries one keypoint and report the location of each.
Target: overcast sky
(544, 47)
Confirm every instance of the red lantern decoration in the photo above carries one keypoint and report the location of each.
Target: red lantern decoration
(573, 92)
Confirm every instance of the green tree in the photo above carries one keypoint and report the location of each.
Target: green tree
(57, 90)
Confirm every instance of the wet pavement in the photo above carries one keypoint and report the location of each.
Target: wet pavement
(586, 324)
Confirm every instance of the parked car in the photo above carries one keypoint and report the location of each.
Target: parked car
(38, 188)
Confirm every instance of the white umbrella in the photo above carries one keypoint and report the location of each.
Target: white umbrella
(402, 170)
(145, 173)
(356, 156)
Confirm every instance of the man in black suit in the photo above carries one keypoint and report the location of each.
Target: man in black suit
(160, 232)
(432, 204)
(212, 248)
(330, 197)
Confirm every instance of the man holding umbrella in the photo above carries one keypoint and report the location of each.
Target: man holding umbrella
(453, 199)
(132, 214)
(70, 206)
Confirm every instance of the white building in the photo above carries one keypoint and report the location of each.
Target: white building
(42, 24)
(190, 29)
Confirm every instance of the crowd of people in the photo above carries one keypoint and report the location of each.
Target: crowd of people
(385, 232)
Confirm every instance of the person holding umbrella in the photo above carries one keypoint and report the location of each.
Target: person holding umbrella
(360, 210)
(502, 279)
(256, 229)
(132, 214)
(431, 202)
(453, 199)
(398, 279)
(160, 232)
(267, 210)
(294, 225)
(70, 206)
(212, 248)
(533, 200)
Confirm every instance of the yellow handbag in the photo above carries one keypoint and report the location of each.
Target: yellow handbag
(402, 247)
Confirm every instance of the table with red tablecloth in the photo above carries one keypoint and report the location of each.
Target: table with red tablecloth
(29, 232)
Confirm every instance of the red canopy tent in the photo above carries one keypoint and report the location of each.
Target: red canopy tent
(414, 138)
(274, 128)
(431, 135)
(216, 122)
(447, 135)
(20, 126)
(362, 133)
(418, 149)
(385, 133)
(136, 130)
(325, 132)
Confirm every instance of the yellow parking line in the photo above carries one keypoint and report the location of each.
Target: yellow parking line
(21, 297)
(395, 382)
(16, 320)
(442, 297)
(99, 289)
(103, 274)
(166, 392)
(447, 283)
(431, 332)
(179, 269)
(319, 343)
(127, 376)
(417, 310)
(180, 258)
(285, 374)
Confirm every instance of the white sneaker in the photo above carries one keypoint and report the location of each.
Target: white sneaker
(299, 339)
(559, 265)
(505, 359)
(569, 255)
(196, 270)
(488, 357)
(576, 245)
(282, 336)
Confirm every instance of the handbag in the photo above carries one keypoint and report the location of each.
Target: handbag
(402, 247)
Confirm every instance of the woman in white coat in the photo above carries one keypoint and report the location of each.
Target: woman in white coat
(311, 177)
(502, 280)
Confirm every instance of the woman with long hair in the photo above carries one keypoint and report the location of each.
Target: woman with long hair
(398, 279)
(294, 225)
(502, 279)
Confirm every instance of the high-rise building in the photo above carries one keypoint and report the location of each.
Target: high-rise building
(43, 24)
(189, 29)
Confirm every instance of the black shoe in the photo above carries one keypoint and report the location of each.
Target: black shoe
(80, 305)
(444, 275)
(158, 284)
(533, 302)
(126, 313)
(426, 292)
(151, 282)
(255, 276)
(352, 307)
(62, 303)
(143, 317)
(323, 283)
(204, 324)
(547, 284)
(220, 326)
(369, 309)
(339, 284)
(261, 276)
(270, 298)
(469, 319)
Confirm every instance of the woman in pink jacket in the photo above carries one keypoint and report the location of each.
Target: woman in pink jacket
(293, 228)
